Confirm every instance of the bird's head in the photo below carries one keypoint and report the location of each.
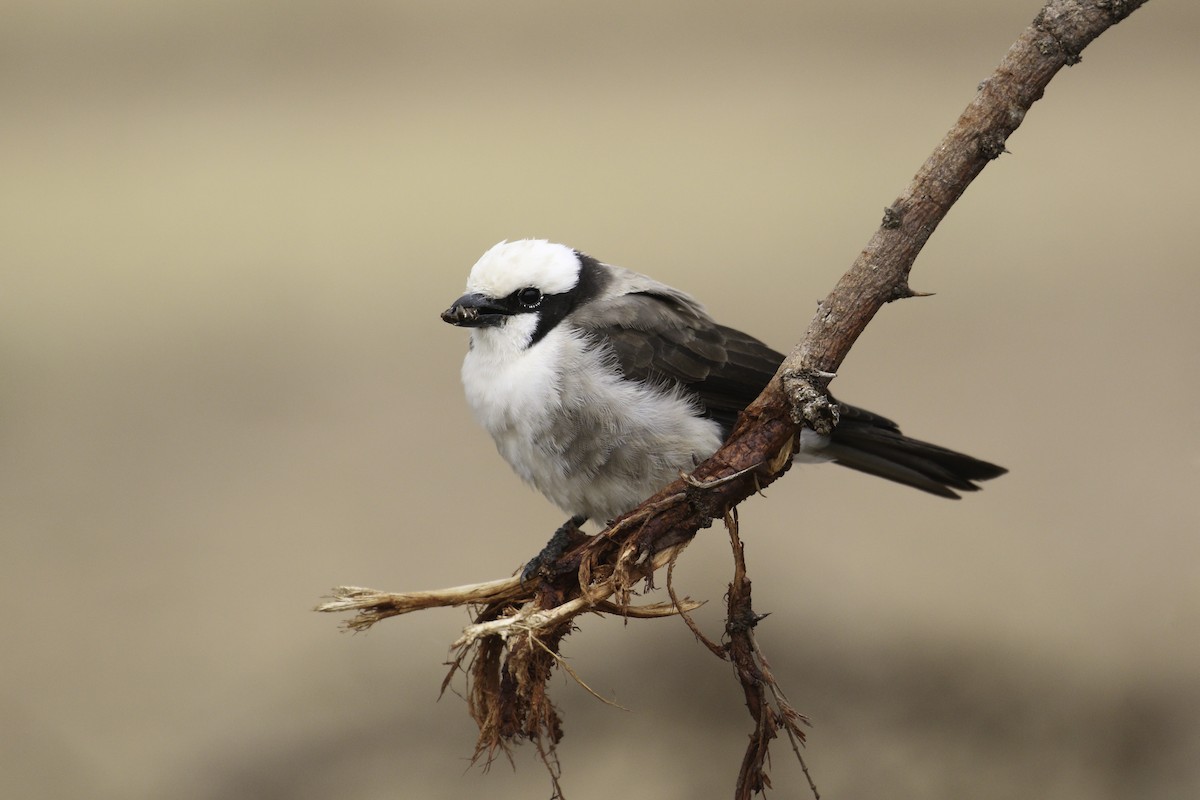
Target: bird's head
(524, 288)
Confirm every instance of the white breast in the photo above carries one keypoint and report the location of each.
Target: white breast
(572, 427)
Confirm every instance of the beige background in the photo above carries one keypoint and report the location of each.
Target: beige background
(226, 232)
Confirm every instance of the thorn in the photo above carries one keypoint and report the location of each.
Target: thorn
(904, 291)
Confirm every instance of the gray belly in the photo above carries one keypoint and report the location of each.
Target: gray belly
(601, 465)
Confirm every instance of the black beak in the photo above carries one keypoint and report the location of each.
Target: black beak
(475, 311)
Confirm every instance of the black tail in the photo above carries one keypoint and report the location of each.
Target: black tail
(873, 444)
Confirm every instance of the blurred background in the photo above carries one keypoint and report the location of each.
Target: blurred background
(227, 230)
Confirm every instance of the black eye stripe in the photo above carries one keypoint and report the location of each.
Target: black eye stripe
(554, 307)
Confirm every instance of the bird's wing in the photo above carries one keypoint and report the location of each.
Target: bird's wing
(661, 335)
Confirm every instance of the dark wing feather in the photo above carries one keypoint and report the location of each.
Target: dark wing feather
(659, 335)
(659, 339)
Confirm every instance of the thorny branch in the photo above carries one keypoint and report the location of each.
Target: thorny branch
(511, 648)
(757, 681)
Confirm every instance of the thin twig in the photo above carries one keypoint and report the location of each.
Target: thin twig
(715, 648)
(562, 662)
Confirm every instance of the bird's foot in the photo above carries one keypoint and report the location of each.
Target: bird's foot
(811, 404)
(562, 539)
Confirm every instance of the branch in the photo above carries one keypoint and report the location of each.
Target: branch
(754, 673)
(511, 648)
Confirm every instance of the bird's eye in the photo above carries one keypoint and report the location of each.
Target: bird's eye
(529, 298)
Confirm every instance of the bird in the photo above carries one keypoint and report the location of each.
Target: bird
(600, 385)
